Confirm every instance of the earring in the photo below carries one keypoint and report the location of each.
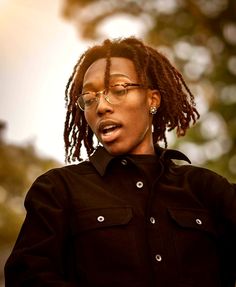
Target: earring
(153, 110)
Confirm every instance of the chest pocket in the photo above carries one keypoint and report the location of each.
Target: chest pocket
(198, 219)
(91, 219)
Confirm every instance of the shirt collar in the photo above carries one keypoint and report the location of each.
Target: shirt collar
(101, 158)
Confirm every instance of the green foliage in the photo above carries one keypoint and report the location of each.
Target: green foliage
(19, 166)
(199, 37)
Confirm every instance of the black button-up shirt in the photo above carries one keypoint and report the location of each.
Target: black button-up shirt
(106, 223)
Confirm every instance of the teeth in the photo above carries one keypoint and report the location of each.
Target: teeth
(108, 129)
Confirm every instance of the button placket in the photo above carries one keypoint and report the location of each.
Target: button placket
(198, 221)
(152, 220)
(100, 218)
(139, 184)
(158, 257)
(124, 161)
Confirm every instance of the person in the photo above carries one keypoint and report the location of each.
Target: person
(131, 214)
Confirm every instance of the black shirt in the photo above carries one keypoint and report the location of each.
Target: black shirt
(102, 223)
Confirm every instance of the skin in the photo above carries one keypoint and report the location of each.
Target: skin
(132, 118)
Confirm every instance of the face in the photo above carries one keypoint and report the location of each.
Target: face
(123, 128)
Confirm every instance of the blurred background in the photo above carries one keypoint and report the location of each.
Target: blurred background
(42, 40)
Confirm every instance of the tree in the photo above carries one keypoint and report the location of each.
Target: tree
(19, 166)
(200, 39)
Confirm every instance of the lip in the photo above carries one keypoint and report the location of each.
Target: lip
(108, 130)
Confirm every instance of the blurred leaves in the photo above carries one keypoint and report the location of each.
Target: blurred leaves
(19, 166)
(199, 37)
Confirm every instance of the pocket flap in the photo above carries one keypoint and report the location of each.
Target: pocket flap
(100, 217)
(193, 218)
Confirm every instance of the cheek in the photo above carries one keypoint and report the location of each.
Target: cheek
(139, 120)
(89, 119)
(142, 112)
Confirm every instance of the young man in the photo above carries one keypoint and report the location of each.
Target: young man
(128, 216)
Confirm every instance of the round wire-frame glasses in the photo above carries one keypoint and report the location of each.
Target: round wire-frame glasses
(114, 95)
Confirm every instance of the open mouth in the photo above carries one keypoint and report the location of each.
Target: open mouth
(109, 129)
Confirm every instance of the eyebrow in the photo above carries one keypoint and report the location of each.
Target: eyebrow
(119, 75)
(115, 75)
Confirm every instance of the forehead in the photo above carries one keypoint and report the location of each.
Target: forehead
(119, 67)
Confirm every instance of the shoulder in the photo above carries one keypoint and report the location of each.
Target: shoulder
(201, 180)
(82, 168)
(196, 172)
(59, 181)
(210, 187)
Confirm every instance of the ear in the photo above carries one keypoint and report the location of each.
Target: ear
(154, 98)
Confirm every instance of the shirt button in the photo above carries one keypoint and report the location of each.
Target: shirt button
(124, 162)
(152, 220)
(158, 258)
(198, 221)
(100, 218)
(139, 184)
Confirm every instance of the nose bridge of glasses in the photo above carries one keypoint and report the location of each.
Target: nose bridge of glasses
(100, 93)
(103, 93)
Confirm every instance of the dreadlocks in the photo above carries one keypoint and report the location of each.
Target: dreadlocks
(154, 70)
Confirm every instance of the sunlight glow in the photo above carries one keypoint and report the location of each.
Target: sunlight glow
(128, 26)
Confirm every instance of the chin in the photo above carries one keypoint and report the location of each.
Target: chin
(114, 150)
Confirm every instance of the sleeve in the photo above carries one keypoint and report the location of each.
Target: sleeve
(39, 255)
(226, 210)
(229, 238)
(219, 197)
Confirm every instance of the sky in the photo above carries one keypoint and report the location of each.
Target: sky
(38, 51)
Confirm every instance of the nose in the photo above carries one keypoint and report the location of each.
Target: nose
(103, 105)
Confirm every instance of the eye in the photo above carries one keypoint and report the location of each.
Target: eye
(88, 98)
(117, 90)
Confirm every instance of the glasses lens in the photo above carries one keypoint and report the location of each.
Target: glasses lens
(116, 94)
(86, 100)
(80, 102)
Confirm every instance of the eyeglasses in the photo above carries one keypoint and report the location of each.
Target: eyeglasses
(114, 95)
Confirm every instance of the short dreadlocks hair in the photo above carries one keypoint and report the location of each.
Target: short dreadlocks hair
(177, 109)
